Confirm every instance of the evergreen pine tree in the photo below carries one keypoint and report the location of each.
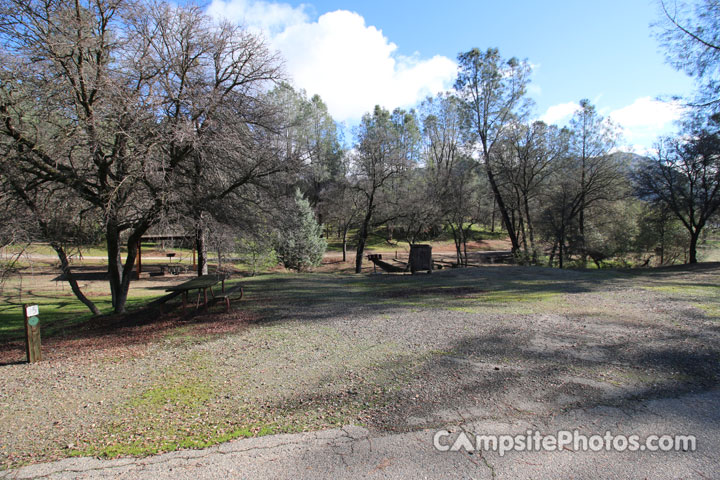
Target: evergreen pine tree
(299, 244)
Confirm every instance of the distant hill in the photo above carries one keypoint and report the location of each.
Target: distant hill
(631, 161)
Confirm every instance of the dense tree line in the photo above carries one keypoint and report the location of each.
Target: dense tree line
(119, 116)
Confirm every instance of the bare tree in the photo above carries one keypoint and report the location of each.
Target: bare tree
(51, 218)
(343, 205)
(684, 176)
(17, 230)
(114, 100)
(493, 92)
(529, 158)
(387, 148)
(450, 172)
(585, 180)
(592, 140)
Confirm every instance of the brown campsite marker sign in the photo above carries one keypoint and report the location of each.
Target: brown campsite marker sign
(32, 333)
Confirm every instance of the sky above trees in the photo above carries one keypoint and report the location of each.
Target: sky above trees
(357, 54)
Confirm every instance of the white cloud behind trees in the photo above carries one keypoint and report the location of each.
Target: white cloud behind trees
(645, 119)
(351, 65)
(642, 121)
(560, 113)
(354, 66)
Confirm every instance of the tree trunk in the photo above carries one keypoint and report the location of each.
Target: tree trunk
(65, 267)
(458, 243)
(364, 231)
(344, 242)
(115, 269)
(465, 254)
(694, 236)
(492, 223)
(560, 253)
(531, 233)
(551, 260)
(581, 229)
(201, 245)
(362, 238)
(521, 231)
(501, 206)
(561, 245)
(121, 274)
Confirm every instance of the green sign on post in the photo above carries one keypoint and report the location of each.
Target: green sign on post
(32, 333)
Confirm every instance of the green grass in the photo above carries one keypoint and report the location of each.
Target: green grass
(377, 240)
(57, 312)
(93, 250)
(143, 447)
(710, 309)
(196, 402)
(188, 392)
(512, 296)
(703, 297)
(483, 232)
(687, 290)
(45, 249)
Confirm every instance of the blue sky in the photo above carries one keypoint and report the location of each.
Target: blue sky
(356, 54)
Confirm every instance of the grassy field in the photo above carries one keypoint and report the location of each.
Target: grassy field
(305, 352)
(378, 240)
(59, 308)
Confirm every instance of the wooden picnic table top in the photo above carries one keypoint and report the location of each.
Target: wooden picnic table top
(203, 281)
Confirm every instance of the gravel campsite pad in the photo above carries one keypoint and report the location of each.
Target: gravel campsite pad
(390, 352)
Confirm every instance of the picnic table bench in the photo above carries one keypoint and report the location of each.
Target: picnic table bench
(172, 268)
(202, 284)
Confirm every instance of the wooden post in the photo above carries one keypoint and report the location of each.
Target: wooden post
(227, 304)
(139, 258)
(32, 333)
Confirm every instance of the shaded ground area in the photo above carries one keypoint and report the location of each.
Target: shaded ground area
(61, 314)
(392, 353)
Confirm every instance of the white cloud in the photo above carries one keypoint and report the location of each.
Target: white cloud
(645, 119)
(646, 112)
(534, 90)
(642, 122)
(271, 18)
(558, 113)
(351, 65)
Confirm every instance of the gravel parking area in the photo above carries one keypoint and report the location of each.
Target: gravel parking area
(387, 352)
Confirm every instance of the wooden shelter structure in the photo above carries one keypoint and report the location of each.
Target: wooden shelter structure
(165, 237)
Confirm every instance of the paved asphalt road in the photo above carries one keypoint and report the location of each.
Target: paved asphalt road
(353, 452)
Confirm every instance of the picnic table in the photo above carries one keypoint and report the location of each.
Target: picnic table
(173, 268)
(202, 284)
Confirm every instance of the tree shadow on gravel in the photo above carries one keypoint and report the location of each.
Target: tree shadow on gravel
(496, 375)
(510, 370)
(316, 297)
(502, 375)
(108, 333)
